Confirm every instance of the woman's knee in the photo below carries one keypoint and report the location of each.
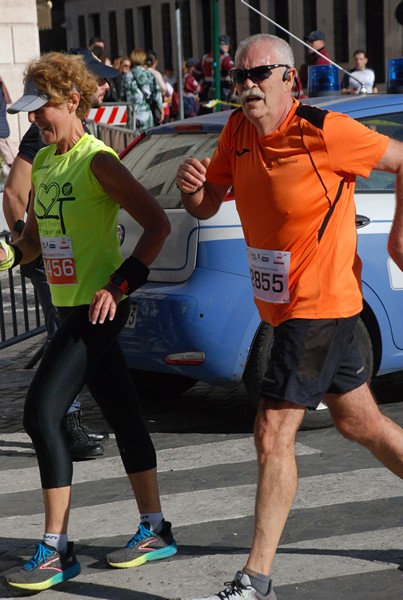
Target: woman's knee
(37, 426)
(30, 424)
(37, 419)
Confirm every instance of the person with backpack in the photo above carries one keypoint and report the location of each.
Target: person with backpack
(141, 89)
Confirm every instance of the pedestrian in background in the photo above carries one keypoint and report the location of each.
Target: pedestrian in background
(204, 72)
(123, 65)
(295, 198)
(360, 71)
(191, 90)
(142, 90)
(169, 75)
(78, 184)
(165, 87)
(152, 64)
(7, 149)
(97, 46)
(316, 40)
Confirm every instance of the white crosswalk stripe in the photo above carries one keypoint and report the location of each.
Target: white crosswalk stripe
(189, 508)
(340, 555)
(172, 459)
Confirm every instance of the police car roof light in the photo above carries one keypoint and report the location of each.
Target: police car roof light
(395, 76)
(323, 80)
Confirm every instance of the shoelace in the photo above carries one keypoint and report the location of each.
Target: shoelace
(141, 534)
(234, 588)
(40, 555)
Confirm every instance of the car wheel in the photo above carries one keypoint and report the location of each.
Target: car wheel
(150, 384)
(259, 358)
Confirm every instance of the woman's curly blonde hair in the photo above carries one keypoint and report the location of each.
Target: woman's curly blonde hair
(57, 74)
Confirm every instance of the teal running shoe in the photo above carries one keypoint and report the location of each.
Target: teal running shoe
(45, 569)
(146, 545)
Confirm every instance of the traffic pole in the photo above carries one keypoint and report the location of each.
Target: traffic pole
(179, 55)
(216, 53)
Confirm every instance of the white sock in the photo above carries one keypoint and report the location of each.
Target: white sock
(154, 519)
(58, 541)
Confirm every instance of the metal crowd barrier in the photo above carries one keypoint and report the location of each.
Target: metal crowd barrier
(20, 313)
(115, 136)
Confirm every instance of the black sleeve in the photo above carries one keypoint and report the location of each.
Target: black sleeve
(345, 82)
(30, 144)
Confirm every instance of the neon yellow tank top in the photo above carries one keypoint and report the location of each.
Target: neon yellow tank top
(77, 222)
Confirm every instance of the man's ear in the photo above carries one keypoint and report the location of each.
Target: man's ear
(289, 76)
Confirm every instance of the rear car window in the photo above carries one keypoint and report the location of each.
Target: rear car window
(155, 160)
(392, 126)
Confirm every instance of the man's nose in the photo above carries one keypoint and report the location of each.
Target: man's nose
(249, 84)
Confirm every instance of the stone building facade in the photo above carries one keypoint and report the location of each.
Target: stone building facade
(19, 43)
(348, 25)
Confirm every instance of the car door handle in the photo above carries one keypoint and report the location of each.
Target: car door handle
(361, 221)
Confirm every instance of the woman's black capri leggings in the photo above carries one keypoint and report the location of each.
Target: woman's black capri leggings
(82, 353)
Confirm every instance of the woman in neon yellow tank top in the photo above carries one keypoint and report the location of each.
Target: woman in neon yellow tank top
(78, 184)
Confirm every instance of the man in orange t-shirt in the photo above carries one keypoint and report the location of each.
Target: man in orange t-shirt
(294, 178)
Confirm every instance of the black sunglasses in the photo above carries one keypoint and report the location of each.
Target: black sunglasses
(256, 74)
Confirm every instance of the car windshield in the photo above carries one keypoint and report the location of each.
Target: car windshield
(154, 162)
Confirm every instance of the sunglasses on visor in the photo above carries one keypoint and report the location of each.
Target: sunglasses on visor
(256, 74)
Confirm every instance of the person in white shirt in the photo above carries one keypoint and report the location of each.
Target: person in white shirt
(360, 72)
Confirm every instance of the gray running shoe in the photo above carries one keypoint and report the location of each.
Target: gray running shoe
(144, 546)
(46, 568)
(241, 589)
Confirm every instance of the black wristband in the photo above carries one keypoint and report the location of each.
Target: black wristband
(134, 272)
(19, 226)
(17, 255)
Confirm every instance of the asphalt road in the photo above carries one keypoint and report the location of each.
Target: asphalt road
(343, 539)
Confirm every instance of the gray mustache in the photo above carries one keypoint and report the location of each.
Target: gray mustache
(255, 93)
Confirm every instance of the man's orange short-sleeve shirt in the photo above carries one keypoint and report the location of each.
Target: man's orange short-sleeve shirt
(294, 192)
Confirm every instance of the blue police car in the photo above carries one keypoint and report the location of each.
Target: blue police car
(196, 319)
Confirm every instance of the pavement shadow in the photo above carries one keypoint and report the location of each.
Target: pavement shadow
(203, 409)
(217, 409)
(82, 589)
(392, 555)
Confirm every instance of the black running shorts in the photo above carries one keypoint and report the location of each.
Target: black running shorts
(312, 357)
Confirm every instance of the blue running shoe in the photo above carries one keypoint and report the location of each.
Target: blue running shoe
(144, 546)
(45, 569)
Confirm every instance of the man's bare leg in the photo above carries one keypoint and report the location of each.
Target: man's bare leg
(275, 430)
(358, 418)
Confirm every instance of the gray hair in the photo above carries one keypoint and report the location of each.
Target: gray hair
(283, 49)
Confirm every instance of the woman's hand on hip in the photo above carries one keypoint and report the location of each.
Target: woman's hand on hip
(104, 303)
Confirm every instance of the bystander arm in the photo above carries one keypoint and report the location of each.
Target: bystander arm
(7, 149)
